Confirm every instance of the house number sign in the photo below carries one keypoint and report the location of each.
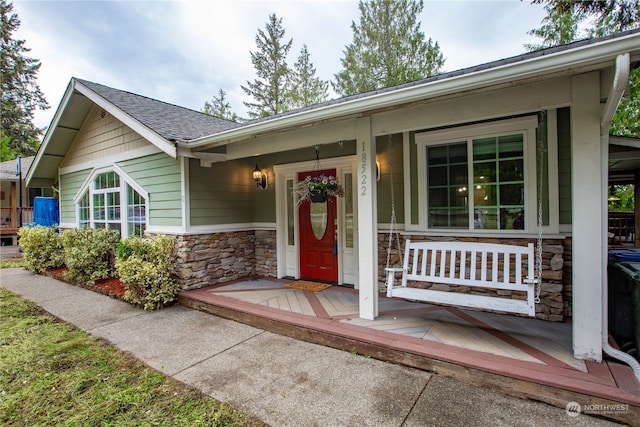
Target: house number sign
(363, 171)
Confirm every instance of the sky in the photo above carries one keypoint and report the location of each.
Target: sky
(184, 52)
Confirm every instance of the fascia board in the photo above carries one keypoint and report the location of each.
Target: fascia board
(580, 57)
(129, 121)
(50, 130)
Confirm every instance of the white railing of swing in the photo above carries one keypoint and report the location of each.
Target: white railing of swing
(474, 264)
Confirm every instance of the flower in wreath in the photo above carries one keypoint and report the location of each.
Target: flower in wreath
(321, 186)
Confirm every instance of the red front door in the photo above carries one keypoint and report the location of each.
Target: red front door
(318, 249)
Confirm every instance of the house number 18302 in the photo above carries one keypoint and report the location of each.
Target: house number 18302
(363, 171)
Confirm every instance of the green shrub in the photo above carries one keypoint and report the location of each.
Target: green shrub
(145, 268)
(42, 248)
(90, 253)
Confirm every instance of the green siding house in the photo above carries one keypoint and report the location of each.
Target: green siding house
(505, 152)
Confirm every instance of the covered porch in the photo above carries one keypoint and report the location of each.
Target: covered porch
(524, 357)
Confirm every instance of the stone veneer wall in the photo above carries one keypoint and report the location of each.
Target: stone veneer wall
(266, 263)
(207, 259)
(554, 287)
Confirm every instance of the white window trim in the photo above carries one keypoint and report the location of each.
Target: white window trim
(88, 185)
(525, 125)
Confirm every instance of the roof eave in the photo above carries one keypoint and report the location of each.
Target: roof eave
(552, 63)
(50, 130)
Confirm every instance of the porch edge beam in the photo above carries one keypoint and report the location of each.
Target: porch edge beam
(367, 220)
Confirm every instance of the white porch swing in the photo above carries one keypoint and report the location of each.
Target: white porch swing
(473, 264)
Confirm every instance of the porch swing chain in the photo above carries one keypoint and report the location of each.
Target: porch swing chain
(538, 272)
(393, 208)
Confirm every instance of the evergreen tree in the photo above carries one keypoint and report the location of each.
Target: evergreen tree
(611, 16)
(305, 88)
(6, 152)
(21, 95)
(269, 89)
(560, 26)
(388, 48)
(220, 107)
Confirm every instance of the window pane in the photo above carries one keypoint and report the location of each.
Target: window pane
(485, 218)
(485, 195)
(113, 206)
(484, 148)
(484, 172)
(513, 219)
(84, 214)
(291, 238)
(512, 170)
(437, 155)
(437, 176)
(510, 146)
(348, 207)
(447, 178)
(498, 171)
(512, 194)
(136, 213)
(98, 207)
(107, 180)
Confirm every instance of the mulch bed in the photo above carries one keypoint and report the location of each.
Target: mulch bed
(112, 287)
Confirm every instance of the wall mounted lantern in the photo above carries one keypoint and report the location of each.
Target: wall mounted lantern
(260, 178)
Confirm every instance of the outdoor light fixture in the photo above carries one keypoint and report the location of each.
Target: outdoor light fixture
(260, 178)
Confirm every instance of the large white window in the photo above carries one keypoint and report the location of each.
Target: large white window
(100, 205)
(479, 177)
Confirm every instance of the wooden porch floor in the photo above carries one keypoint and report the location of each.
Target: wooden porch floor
(520, 356)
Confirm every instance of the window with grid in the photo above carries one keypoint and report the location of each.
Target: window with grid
(478, 183)
(101, 206)
(136, 213)
(84, 211)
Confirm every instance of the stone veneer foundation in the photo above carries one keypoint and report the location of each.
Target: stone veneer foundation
(207, 259)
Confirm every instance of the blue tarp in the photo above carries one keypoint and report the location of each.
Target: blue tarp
(45, 211)
(623, 254)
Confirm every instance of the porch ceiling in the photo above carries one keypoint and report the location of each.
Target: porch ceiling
(624, 159)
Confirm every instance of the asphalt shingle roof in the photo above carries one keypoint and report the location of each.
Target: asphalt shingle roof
(8, 168)
(172, 122)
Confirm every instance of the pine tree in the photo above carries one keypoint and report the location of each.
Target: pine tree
(388, 48)
(611, 16)
(21, 95)
(220, 107)
(560, 26)
(269, 89)
(305, 88)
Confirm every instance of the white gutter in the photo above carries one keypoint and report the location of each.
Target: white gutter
(562, 60)
(620, 81)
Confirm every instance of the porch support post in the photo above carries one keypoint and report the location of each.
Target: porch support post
(588, 245)
(367, 220)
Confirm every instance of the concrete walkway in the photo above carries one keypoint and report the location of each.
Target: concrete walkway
(282, 381)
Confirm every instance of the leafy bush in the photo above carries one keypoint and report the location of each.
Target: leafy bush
(89, 253)
(145, 268)
(42, 248)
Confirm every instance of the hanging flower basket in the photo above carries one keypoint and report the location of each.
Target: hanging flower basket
(318, 195)
(316, 189)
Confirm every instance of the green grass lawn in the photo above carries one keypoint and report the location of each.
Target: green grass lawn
(54, 375)
(11, 263)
